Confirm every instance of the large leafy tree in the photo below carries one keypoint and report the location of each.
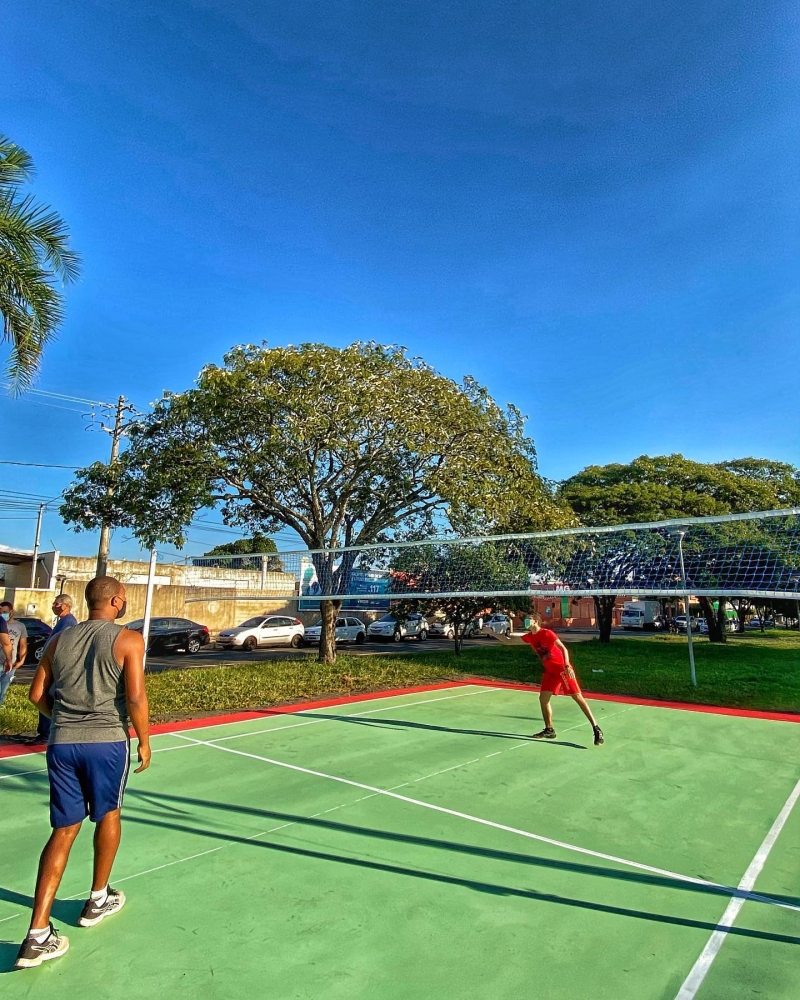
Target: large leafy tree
(344, 446)
(35, 258)
(671, 486)
(668, 486)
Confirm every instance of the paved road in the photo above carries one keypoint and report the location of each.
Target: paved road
(210, 656)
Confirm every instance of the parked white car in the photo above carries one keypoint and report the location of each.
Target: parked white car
(265, 630)
(388, 627)
(347, 630)
(499, 624)
(440, 627)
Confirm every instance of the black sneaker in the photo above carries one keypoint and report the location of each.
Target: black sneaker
(92, 912)
(548, 733)
(31, 953)
(598, 736)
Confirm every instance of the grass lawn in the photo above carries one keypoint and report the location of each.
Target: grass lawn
(749, 671)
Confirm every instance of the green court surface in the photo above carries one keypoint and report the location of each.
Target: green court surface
(268, 860)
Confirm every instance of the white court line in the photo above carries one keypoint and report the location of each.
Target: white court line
(9, 918)
(728, 890)
(694, 980)
(19, 774)
(341, 805)
(351, 715)
(275, 729)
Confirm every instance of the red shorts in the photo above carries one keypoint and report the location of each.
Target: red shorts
(563, 682)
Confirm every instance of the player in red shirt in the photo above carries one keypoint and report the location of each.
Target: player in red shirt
(558, 676)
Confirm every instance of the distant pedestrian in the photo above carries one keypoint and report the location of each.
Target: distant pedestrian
(91, 679)
(18, 635)
(6, 650)
(62, 609)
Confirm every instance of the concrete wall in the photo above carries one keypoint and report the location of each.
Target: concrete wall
(202, 594)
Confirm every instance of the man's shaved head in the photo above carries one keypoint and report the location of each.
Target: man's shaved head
(100, 591)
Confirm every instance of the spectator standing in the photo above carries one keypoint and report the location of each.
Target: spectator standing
(18, 635)
(62, 609)
(6, 651)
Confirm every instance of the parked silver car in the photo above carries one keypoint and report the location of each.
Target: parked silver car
(264, 630)
(498, 623)
(388, 627)
(347, 630)
(441, 628)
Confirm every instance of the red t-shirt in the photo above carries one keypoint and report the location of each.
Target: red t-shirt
(544, 643)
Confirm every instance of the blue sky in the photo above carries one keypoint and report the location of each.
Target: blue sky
(590, 208)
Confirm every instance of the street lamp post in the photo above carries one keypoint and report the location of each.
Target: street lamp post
(680, 535)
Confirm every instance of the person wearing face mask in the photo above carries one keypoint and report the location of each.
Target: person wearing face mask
(18, 635)
(91, 681)
(62, 609)
(6, 657)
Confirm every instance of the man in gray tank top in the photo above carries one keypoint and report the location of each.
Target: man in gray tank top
(90, 681)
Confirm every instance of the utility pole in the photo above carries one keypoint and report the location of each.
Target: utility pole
(35, 557)
(105, 530)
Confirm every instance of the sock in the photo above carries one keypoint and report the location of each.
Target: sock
(39, 934)
(99, 896)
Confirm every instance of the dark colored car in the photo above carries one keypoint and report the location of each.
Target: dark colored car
(38, 634)
(168, 635)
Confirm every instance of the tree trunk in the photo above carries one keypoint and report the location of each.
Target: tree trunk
(715, 622)
(604, 612)
(458, 638)
(742, 606)
(327, 636)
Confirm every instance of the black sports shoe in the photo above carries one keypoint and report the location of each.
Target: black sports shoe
(598, 736)
(92, 912)
(548, 733)
(31, 953)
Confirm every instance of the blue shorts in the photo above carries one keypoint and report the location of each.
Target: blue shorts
(86, 779)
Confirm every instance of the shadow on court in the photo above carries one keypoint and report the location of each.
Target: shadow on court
(405, 724)
(490, 888)
(65, 911)
(162, 801)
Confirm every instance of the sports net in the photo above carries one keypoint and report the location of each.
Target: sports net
(735, 555)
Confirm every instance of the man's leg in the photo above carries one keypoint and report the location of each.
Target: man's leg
(107, 835)
(51, 869)
(548, 733)
(6, 677)
(107, 769)
(584, 707)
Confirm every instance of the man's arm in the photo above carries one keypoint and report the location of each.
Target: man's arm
(565, 651)
(5, 643)
(42, 681)
(507, 640)
(22, 651)
(129, 651)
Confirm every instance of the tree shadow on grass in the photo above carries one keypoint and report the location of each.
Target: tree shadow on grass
(489, 888)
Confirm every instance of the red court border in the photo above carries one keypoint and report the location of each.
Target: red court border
(18, 750)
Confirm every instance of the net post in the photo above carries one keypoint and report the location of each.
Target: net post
(680, 535)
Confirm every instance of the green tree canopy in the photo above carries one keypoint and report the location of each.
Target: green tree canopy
(671, 486)
(344, 446)
(35, 256)
(244, 546)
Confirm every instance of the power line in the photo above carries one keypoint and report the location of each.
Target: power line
(69, 398)
(40, 465)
